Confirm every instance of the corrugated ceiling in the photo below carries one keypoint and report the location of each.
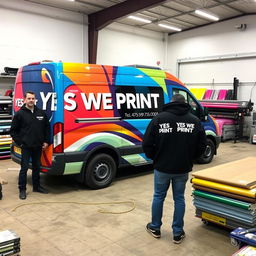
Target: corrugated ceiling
(178, 13)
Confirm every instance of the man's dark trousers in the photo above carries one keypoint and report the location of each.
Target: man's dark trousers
(35, 154)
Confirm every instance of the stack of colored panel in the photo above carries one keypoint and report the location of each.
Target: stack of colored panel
(9, 243)
(5, 144)
(5, 125)
(226, 194)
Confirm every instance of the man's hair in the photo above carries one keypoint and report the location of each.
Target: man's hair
(28, 92)
(178, 98)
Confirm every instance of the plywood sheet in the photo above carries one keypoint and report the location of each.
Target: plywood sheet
(240, 173)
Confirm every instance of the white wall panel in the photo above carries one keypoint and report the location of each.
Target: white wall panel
(121, 45)
(218, 71)
(220, 39)
(32, 32)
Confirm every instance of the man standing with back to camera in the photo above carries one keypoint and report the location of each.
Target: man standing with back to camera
(30, 130)
(173, 139)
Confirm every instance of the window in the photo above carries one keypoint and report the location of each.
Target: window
(195, 108)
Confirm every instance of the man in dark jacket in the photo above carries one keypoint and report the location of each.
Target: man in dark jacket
(30, 130)
(174, 138)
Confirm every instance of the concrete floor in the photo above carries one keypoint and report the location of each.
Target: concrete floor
(72, 229)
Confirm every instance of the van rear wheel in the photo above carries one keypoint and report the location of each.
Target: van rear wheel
(100, 171)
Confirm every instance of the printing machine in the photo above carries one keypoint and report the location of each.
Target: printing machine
(230, 109)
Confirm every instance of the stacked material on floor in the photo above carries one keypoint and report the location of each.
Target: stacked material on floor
(5, 144)
(5, 125)
(9, 243)
(226, 194)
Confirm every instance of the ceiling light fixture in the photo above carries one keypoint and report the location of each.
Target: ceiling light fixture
(169, 27)
(139, 19)
(206, 15)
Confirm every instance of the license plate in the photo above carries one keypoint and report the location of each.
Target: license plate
(17, 150)
(214, 218)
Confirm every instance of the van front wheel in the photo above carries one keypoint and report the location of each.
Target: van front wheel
(100, 171)
(207, 156)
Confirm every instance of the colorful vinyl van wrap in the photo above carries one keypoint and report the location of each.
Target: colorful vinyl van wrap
(96, 109)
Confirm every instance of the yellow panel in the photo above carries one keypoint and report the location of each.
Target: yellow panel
(231, 189)
(198, 92)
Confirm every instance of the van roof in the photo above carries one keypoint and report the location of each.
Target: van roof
(134, 70)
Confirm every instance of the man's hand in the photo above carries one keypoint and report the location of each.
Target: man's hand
(45, 146)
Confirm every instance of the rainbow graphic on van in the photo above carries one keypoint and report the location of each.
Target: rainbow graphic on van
(97, 110)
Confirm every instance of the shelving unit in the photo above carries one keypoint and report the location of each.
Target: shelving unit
(6, 83)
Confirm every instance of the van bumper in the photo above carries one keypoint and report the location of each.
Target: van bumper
(59, 162)
(62, 160)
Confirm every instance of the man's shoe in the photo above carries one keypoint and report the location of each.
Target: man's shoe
(22, 194)
(40, 190)
(178, 239)
(156, 233)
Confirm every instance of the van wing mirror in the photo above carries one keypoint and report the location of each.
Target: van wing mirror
(204, 114)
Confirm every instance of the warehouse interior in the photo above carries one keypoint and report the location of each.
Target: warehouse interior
(214, 56)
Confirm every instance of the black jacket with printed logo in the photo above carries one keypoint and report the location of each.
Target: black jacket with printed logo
(29, 129)
(174, 138)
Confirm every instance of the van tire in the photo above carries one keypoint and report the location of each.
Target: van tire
(100, 171)
(207, 156)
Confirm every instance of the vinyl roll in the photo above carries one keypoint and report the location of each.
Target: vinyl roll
(240, 191)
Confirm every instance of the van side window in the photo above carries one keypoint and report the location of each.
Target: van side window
(195, 109)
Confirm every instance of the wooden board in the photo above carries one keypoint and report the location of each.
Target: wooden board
(240, 173)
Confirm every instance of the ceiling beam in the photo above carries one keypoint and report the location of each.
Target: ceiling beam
(103, 18)
(106, 16)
